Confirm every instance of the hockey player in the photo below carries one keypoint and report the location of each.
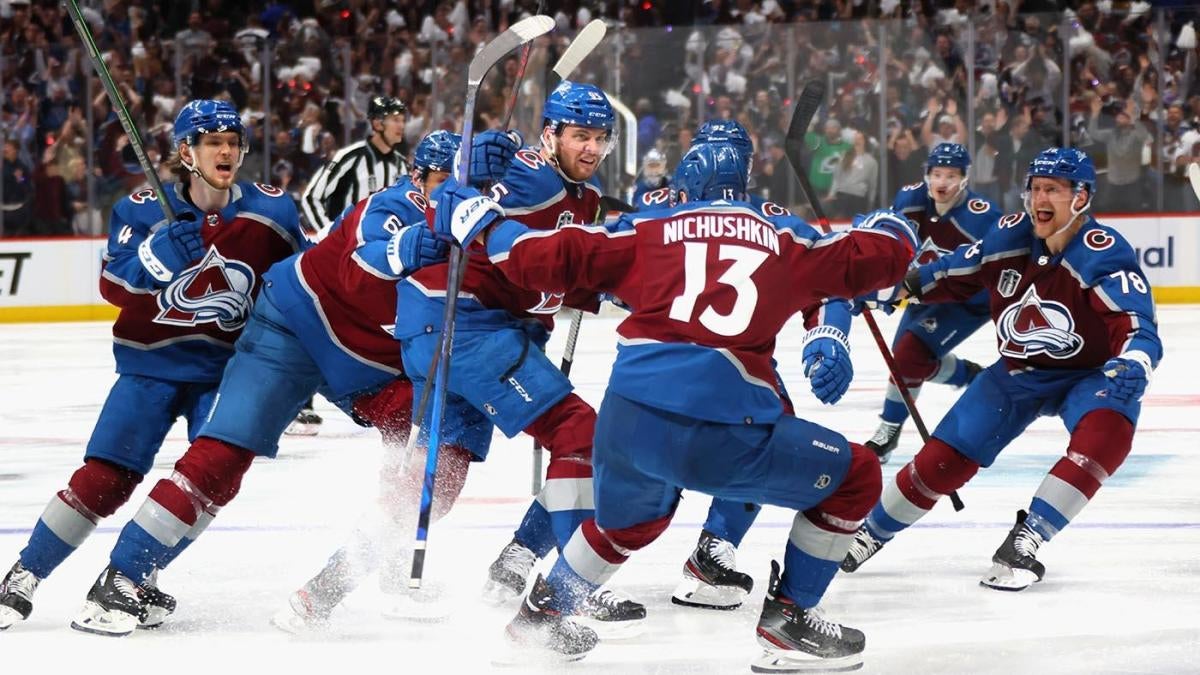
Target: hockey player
(654, 175)
(500, 376)
(1076, 330)
(322, 323)
(711, 282)
(185, 290)
(947, 215)
(354, 173)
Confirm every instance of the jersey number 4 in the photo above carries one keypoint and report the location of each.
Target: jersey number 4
(695, 280)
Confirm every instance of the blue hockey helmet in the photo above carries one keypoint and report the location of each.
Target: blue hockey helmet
(724, 131)
(207, 116)
(437, 151)
(1067, 163)
(952, 155)
(711, 171)
(654, 164)
(578, 104)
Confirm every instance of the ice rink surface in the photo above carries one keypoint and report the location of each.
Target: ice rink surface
(1121, 594)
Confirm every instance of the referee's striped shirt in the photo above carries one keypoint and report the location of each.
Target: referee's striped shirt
(354, 173)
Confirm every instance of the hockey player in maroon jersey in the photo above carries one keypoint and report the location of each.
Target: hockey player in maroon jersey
(710, 283)
(185, 289)
(1076, 330)
(501, 330)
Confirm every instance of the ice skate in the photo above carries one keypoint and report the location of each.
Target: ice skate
(885, 440)
(114, 606)
(16, 595)
(158, 605)
(710, 576)
(797, 640)
(539, 633)
(1014, 565)
(612, 615)
(508, 574)
(973, 370)
(863, 547)
(307, 423)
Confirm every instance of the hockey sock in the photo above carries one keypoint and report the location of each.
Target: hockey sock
(566, 430)
(915, 364)
(952, 371)
(570, 589)
(730, 520)
(814, 549)
(206, 478)
(95, 491)
(937, 470)
(1099, 444)
(535, 532)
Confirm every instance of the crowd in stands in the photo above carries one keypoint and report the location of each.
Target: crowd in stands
(1006, 77)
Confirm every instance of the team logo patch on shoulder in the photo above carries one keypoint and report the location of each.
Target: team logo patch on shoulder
(1010, 220)
(269, 190)
(911, 187)
(656, 197)
(978, 206)
(418, 199)
(143, 196)
(1035, 326)
(1098, 240)
(531, 159)
(216, 290)
(773, 209)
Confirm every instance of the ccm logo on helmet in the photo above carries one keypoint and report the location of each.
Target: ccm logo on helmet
(1098, 240)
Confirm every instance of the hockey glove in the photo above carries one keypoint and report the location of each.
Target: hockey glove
(414, 247)
(491, 153)
(893, 223)
(172, 248)
(884, 300)
(827, 363)
(461, 213)
(1128, 376)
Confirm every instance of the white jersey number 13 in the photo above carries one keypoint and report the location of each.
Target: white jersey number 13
(695, 275)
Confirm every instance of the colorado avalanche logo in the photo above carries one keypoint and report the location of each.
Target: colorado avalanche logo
(1036, 326)
(217, 290)
(656, 197)
(549, 304)
(929, 252)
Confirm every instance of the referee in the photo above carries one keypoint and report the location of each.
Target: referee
(355, 172)
(359, 169)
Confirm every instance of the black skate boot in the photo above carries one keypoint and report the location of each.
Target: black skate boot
(508, 573)
(16, 595)
(539, 631)
(710, 576)
(612, 615)
(973, 370)
(114, 606)
(797, 639)
(158, 604)
(307, 423)
(309, 607)
(1014, 565)
(885, 440)
(864, 546)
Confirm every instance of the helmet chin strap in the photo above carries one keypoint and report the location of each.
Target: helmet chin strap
(1075, 214)
(194, 169)
(959, 195)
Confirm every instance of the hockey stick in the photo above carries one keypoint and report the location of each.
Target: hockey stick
(583, 44)
(810, 100)
(525, 51)
(1193, 172)
(118, 103)
(518, 34)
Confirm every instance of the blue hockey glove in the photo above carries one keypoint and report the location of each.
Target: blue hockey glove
(1127, 375)
(491, 153)
(172, 248)
(827, 363)
(890, 221)
(884, 300)
(461, 213)
(414, 247)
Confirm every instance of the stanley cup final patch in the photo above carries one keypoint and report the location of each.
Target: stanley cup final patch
(1009, 281)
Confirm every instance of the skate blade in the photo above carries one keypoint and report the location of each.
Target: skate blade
(496, 594)
(1004, 578)
(9, 616)
(692, 592)
(155, 617)
(613, 630)
(515, 654)
(99, 621)
(302, 429)
(781, 661)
